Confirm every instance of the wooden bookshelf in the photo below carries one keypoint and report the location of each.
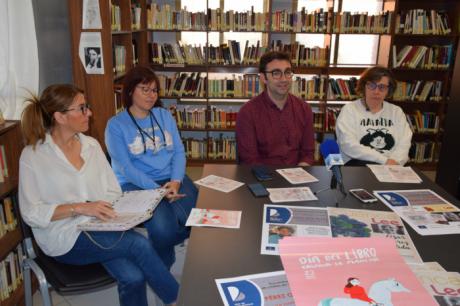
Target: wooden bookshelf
(11, 139)
(99, 88)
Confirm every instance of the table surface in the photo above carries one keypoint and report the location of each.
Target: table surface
(214, 253)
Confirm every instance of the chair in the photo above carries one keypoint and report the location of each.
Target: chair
(63, 278)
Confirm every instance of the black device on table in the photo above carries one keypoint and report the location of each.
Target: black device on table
(258, 190)
(262, 173)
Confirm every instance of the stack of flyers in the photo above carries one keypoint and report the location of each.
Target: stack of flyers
(294, 194)
(214, 218)
(395, 174)
(219, 183)
(297, 175)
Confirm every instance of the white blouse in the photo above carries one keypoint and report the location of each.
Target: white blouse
(47, 179)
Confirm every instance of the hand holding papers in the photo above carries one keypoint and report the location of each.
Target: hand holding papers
(297, 175)
(132, 208)
(214, 218)
(394, 174)
(219, 183)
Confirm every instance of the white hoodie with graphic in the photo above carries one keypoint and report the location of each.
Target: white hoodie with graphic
(373, 137)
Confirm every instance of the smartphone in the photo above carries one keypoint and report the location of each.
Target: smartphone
(262, 173)
(363, 195)
(258, 190)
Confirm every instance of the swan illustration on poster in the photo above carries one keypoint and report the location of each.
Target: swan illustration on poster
(350, 272)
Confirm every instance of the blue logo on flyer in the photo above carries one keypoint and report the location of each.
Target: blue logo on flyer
(242, 293)
(277, 214)
(394, 199)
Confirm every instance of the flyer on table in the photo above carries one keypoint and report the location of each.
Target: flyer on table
(267, 289)
(350, 272)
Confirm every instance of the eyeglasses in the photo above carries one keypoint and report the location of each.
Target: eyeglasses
(146, 90)
(82, 108)
(373, 86)
(277, 73)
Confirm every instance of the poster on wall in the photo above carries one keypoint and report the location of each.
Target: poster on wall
(91, 15)
(90, 52)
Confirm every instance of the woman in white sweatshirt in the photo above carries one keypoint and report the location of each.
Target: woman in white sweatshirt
(371, 130)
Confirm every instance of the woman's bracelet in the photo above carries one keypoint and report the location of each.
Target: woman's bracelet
(72, 211)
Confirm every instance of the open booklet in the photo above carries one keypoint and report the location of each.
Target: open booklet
(132, 208)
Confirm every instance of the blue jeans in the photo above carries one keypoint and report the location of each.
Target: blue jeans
(132, 261)
(167, 227)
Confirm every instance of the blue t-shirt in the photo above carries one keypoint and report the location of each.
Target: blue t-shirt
(140, 160)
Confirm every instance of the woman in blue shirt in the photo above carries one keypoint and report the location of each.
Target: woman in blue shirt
(147, 152)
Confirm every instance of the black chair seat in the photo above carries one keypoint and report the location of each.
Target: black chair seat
(71, 279)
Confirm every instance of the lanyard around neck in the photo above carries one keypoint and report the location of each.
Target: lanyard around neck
(144, 133)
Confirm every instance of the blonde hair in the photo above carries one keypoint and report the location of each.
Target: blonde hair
(37, 117)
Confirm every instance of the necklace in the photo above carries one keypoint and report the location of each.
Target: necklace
(144, 133)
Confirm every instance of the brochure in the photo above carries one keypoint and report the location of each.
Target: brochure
(268, 289)
(350, 272)
(297, 221)
(424, 210)
(219, 183)
(132, 208)
(395, 174)
(443, 286)
(294, 194)
(297, 175)
(214, 218)
(371, 223)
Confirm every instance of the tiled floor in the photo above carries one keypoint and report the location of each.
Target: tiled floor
(109, 297)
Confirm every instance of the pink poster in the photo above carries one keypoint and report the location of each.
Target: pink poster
(350, 272)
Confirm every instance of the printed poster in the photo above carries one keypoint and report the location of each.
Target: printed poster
(443, 286)
(90, 52)
(350, 272)
(424, 210)
(296, 221)
(268, 289)
(371, 223)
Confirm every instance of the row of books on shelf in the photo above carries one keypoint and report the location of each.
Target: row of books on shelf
(3, 164)
(201, 118)
(423, 57)
(119, 58)
(135, 16)
(427, 122)
(419, 21)
(301, 55)
(8, 221)
(424, 152)
(419, 91)
(342, 89)
(248, 85)
(115, 17)
(10, 273)
(222, 148)
(348, 22)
